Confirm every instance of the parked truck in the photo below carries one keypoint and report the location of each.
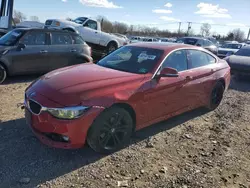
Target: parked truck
(90, 30)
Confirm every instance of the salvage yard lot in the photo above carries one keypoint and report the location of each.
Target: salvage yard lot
(196, 149)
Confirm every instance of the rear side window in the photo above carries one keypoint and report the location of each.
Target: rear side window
(77, 40)
(176, 60)
(60, 39)
(34, 38)
(199, 59)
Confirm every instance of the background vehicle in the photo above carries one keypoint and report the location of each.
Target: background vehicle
(240, 61)
(197, 41)
(28, 51)
(229, 49)
(90, 30)
(109, 100)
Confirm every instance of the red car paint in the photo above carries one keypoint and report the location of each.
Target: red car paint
(99, 87)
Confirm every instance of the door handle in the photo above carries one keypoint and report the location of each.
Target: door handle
(73, 50)
(43, 51)
(189, 78)
(212, 70)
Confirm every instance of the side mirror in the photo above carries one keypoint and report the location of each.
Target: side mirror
(198, 44)
(168, 72)
(21, 46)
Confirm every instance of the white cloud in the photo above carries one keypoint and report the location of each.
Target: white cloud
(170, 19)
(212, 11)
(99, 3)
(64, 0)
(162, 11)
(168, 5)
(208, 21)
(236, 24)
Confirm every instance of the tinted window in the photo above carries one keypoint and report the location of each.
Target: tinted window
(243, 52)
(208, 43)
(200, 42)
(198, 58)
(191, 41)
(176, 60)
(77, 40)
(34, 38)
(91, 24)
(11, 37)
(232, 46)
(133, 59)
(60, 39)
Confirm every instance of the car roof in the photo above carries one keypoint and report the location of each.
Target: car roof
(163, 46)
(44, 30)
(193, 38)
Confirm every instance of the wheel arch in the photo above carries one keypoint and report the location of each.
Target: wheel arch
(129, 109)
(69, 29)
(114, 42)
(5, 66)
(222, 80)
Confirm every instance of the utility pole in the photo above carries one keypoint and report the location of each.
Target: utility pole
(179, 30)
(189, 27)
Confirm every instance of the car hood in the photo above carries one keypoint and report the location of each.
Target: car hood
(66, 22)
(72, 85)
(242, 60)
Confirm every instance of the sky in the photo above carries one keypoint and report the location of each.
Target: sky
(223, 15)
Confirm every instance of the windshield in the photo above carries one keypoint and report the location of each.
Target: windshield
(190, 41)
(232, 46)
(80, 20)
(132, 59)
(243, 52)
(11, 37)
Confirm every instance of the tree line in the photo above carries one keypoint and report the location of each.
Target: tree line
(142, 30)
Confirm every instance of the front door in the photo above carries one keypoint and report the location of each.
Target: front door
(34, 57)
(90, 33)
(167, 96)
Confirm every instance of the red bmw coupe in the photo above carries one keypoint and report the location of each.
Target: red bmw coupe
(131, 88)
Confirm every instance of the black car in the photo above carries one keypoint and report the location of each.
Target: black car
(198, 41)
(29, 51)
(240, 61)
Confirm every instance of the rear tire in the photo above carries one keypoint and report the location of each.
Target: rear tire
(216, 96)
(3, 74)
(111, 130)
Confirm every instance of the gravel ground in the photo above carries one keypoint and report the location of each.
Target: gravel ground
(196, 149)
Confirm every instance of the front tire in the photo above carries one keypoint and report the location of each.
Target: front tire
(3, 74)
(112, 46)
(216, 96)
(111, 130)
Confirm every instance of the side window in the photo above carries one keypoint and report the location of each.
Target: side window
(200, 43)
(34, 38)
(77, 40)
(91, 24)
(177, 60)
(198, 59)
(60, 39)
(150, 40)
(208, 43)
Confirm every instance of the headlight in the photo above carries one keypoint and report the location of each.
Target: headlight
(68, 112)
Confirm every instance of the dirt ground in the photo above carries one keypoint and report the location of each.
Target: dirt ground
(196, 149)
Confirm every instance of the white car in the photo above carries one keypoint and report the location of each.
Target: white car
(90, 30)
